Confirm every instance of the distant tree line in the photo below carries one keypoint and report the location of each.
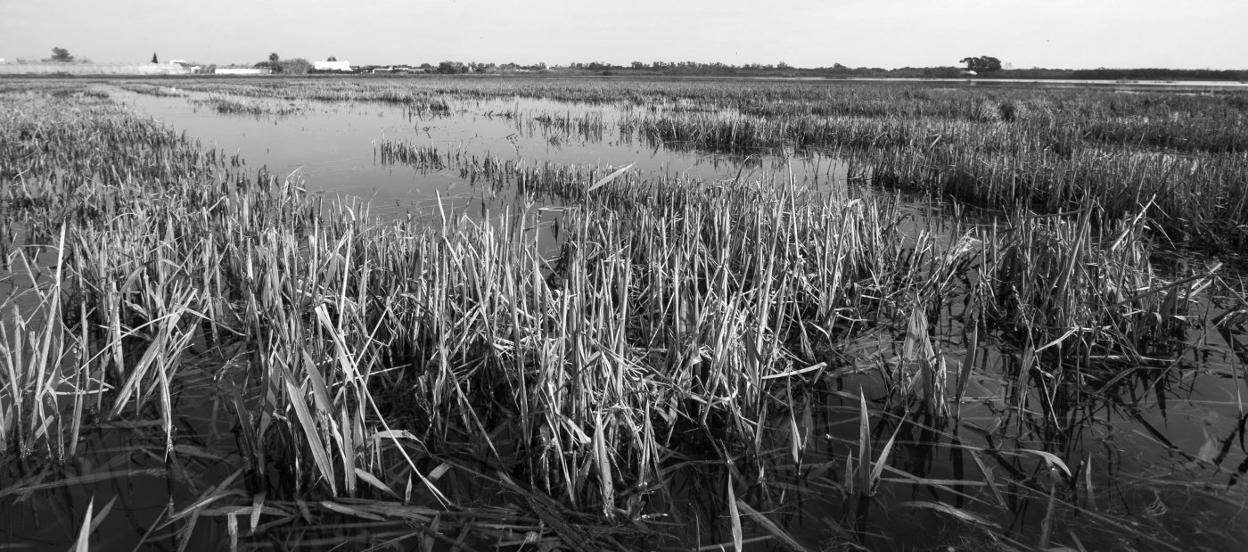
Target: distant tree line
(779, 69)
(983, 66)
(456, 67)
(1157, 74)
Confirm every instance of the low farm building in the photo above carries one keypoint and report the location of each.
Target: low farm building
(241, 71)
(188, 66)
(54, 68)
(341, 66)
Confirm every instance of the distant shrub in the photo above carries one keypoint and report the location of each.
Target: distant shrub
(452, 68)
(295, 66)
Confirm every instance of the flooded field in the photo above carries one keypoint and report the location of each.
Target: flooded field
(586, 314)
(337, 147)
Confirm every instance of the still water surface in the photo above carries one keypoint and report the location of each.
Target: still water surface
(333, 146)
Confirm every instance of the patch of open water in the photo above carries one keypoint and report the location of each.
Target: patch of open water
(333, 146)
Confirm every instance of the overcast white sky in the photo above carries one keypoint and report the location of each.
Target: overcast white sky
(804, 33)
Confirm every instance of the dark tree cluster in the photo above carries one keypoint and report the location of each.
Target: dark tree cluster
(61, 55)
(982, 64)
(452, 68)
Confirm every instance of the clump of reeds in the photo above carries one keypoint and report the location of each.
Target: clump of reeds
(154, 90)
(590, 126)
(425, 107)
(229, 106)
(420, 156)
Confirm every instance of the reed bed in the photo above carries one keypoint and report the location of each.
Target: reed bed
(1047, 150)
(1210, 122)
(155, 90)
(229, 106)
(681, 339)
(421, 102)
(999, 163)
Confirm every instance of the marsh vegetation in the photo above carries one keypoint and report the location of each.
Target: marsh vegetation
(896, 316)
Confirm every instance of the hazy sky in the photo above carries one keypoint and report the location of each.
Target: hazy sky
(804, 33)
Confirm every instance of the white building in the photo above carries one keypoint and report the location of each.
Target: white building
(343, 66)
(188, 66)
(241, 71)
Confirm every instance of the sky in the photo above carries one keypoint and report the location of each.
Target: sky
(1075, 34)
